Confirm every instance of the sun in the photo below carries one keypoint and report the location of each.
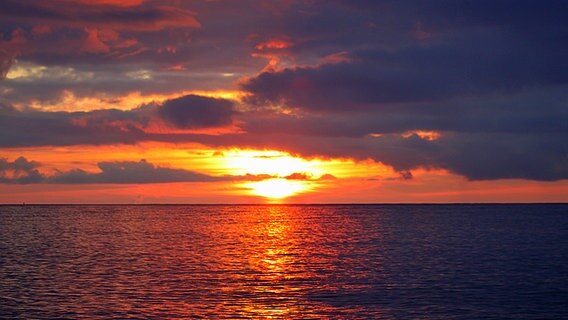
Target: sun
(279, 166)
(277, 188)
(277, 175)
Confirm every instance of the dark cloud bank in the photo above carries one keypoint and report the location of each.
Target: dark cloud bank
(490, 76)
(23, 171)
(32, 127)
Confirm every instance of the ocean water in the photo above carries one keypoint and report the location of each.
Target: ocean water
(284, 262)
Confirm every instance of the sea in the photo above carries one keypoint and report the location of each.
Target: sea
(468, 261)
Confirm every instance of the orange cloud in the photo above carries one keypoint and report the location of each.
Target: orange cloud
(423, 134)
(93, 44)
(272, 50)
(274, 44)
(339, 57)
(69, 101)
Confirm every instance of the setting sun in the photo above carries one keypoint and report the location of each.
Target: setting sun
(277, 188)
(288, 175)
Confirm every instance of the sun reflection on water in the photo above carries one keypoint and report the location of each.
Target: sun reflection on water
(213, 262)
(274, 262)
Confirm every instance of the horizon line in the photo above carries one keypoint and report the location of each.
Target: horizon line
(284, 204)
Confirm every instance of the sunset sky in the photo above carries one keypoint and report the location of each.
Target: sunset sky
(289, 101)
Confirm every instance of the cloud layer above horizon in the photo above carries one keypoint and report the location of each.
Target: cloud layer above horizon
(479, 89)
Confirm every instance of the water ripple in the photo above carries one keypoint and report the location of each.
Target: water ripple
(283, 262)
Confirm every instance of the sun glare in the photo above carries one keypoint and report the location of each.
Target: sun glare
(287, 175)
(269, 162)
(279, 165)
(277, 188)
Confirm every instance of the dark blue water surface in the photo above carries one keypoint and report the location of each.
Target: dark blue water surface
(284, 262)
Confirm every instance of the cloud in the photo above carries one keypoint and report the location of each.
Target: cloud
(6, 61)
(476, 156)
(351, 79)
(376, 78)
(129, 172)
(308, 177)
(489, 84)
(191, 111)
(77, 14)
(119, 3)
(19, 171)
(91, 33)
(21, 127)
(511, 139)
(24, 171)
(541, 110)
